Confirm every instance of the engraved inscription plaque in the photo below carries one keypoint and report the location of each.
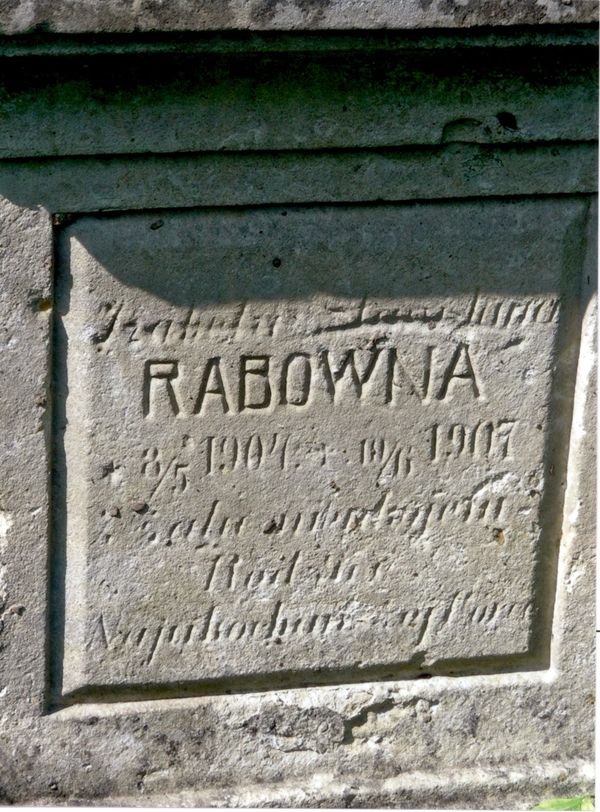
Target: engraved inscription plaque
(310, 443)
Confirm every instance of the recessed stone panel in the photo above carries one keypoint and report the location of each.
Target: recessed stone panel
(307, 444)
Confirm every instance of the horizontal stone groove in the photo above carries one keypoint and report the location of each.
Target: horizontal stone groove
(232, 42)
(295, 177)
(453, 669)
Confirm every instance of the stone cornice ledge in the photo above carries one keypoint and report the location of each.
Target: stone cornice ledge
(129, 16)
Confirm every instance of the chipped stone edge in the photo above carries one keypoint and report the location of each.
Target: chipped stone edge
(325, 788)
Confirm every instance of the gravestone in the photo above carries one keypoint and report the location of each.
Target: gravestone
(298, 349)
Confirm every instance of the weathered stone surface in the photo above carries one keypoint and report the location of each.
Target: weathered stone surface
(298, 101)
(328, 440)
(67, 16)
(298, 362)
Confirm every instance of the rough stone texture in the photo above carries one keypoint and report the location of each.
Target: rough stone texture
(298, 358)
(308, 101)
(329, 440)
(125, 16)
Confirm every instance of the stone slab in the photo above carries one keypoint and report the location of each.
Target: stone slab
(122, 16)
(294, 409)
(465, 263)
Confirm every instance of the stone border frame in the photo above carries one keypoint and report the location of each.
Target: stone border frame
(536, 659)
(336, 757)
